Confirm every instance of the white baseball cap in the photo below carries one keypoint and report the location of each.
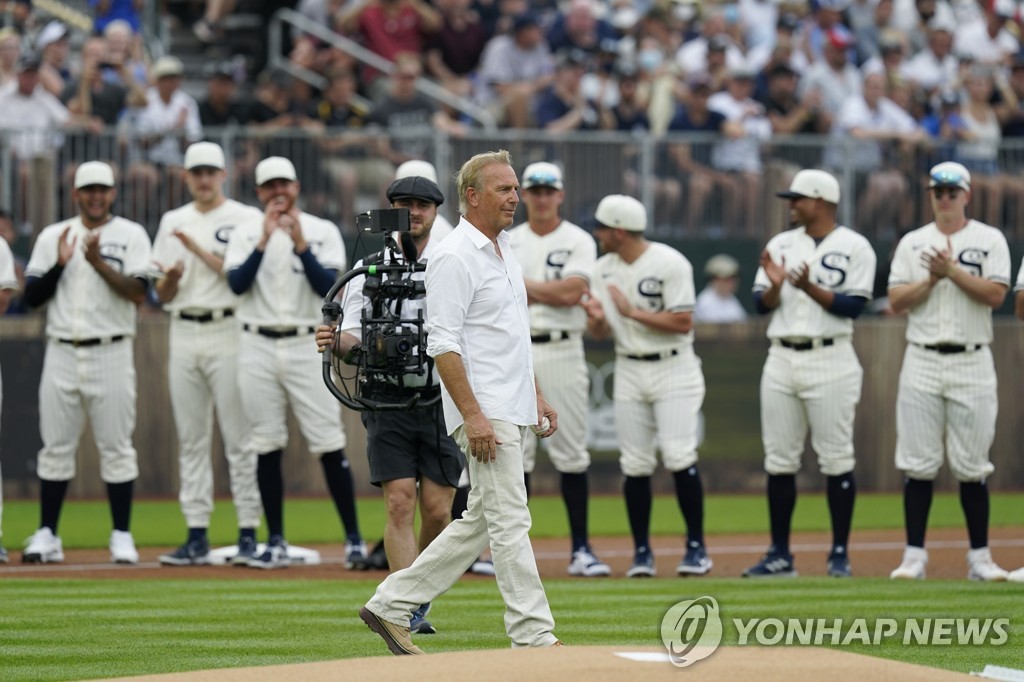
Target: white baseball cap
(542, 174)
(275, 168)
(416, 169)
(722, 265)
(813, 184)
(950, 174)
(167, 66)
(50, 34)
(204, 155)
(94, 173)
(621, 212)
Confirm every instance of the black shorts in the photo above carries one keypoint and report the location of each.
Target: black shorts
(412, 444)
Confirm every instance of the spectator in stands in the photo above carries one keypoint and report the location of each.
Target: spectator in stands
(917, 18)
(10, 50)
(106, 11)
(405, 114)
(934, 67)
(758, 17)
(513, 69)
(53, 44)
(18, 16)
(659, 81)
(91, 96)
(713, 52)
(717, 302)
(869, 25)
(390, 28)
(579, 27)
(124, 48)
(30, 109)
(834, 76)
(818, 29)
(354, 158)
(562, 107)
(988, 38)
(767, 54)
(789, 114)
(10, 235)
(210, 27)
(220, 107)
(629, 114)
(889, 60)
(1012, 118)
(454, 50)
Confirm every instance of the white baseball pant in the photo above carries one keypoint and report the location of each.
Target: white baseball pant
(203, 373)
(1, 472)
(98, 380)
(946, 404)
(496, 514)
(561, 370)
(275, 372)
(817, 388)
(657, 406)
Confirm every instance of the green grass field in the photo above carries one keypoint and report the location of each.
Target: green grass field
(65, 629)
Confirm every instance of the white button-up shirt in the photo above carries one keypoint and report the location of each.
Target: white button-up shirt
(478, 309)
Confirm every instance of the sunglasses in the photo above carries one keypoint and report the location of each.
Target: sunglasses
(947, 177)
(951, 192)
(542, 179)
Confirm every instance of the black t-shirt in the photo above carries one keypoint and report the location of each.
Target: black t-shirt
(107, 102)
(236, 113)
(413, 115)
(683, 123)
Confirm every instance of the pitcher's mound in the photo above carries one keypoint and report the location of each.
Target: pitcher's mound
(594, 664)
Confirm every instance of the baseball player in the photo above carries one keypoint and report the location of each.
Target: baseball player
(556, 257)
(282, 266)
(643, 293)
(8, 284)
(814, 280)
(93, 270)
(203, 364)
(410, 447)
(948, 276)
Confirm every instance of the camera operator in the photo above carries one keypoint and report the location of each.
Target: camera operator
(405, 447)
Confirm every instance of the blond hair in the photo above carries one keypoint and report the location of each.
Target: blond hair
(469, 174)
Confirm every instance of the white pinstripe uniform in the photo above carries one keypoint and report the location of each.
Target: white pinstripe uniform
(656, 402)
(276, 371)
(1019, 286)
(203, 366)
(947, 401)
(98, 378)
(817, 387)
(559, 363)
(9, 281)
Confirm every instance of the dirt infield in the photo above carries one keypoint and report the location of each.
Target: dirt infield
(595, 664)
(873, 553)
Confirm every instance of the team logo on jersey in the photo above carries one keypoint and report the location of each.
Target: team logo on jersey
(972, 259)
(113, 253)
(223, 233)
(833, 269)
(554, 264)
(650, 288)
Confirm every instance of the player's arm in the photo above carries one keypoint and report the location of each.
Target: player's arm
(210, 260)
(941, 264)
(667, 321)
(597, 322)
(166, 287)
(905, 297)
(5, 299)
(563, 293)
(131, 289)
(1018, 307)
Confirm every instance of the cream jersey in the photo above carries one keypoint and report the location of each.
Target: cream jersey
(568, 251)
(843, 262)
(281, 295)
(8, 279)
(84, 306)
(661, 279)
(948, 315)
(200, 288)
(1020, 278)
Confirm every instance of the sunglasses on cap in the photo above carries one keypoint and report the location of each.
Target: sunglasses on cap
(947, 177)
(543, 179)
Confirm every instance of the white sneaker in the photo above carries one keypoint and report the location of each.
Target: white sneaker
(43, 548)
(981, 567)
(914, 561)
(585, 564)
(122, 548)
(1016, 576)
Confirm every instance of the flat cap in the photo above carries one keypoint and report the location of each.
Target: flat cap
(416, 187)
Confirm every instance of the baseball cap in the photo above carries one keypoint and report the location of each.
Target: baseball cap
(416, 168)
(722, 265)
(526, 20)
(275, 168)
(621, 212)
(51, 33)
(94, 173)
(166, 67)
(416, 187)
(542, 174)
(28, 61)
(204, 155)
(840, 37)
(813, 184)
(949, 174)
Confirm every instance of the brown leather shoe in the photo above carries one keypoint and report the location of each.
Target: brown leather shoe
(558, 642)
(395, 636)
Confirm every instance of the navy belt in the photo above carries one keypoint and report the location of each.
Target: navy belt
(97, 341)
(806, 345)
(654, 357)
(549, 337)
(951, 348)
(208, 316)
(277, 333)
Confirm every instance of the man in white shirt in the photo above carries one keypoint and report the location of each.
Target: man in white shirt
(93, 270)
(478, 303)
(948, 276)
(203, 364)
(717, 302)
(557, 256)
(8, 285)
(282, 265)
(935, 66)
(987, 38)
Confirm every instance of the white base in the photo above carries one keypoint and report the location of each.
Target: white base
(299, 555)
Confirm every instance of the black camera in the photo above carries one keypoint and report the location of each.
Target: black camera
(383, 220)
(392, 349)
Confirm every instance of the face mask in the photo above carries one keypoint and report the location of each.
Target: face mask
(649, 60)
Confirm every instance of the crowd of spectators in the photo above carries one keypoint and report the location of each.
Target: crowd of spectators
(896, 85)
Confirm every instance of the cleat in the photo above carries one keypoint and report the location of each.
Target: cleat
(915, 559)
(695, 562)
(980, 566)
(643, 564)
(356, 556)
(43, 547)
(418, 623)
(246, 551)
(274, 556)
(773, 564)
(192, 553)
(585, 564)
(122, 548)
